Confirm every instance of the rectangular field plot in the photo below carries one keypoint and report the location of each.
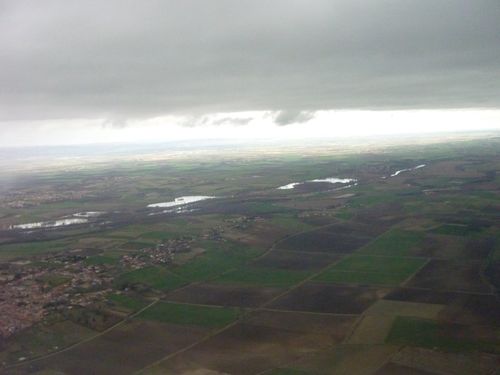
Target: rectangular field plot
(154, 277)
(474, 309)
(123, 350)
(224, 295)
(395, 369)
(440, 362)
(263, 276)
(190, 315)
(395, 242)
(423, 296)
(127, 303)
(346, 359)
(379, 317)
(295, 261)
(456, 229)
(41, 339)
(97, 260)
(30, 248)
(449, 337)
(450, 275)
(461, 308)
(334, 299)
(215, 261)
(244, 349)
(338, 238)
(367, 269)
(336, 326)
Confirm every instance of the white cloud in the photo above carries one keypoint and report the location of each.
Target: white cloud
(258, 125)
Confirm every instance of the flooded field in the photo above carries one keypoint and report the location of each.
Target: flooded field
(330, 180)
(89, 214)
(180, 201)
(50, 224)
(407, 170)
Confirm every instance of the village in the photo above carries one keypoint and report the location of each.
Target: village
(31, 289)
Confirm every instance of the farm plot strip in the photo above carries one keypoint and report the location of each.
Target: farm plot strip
(262, 307)
(77, 344)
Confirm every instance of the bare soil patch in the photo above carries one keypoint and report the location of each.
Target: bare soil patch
(335, 239)
(244, 349)
(334, 299)
(451, 275)
(336, 326)
(121, 351)
(224, 295)
(295, 261)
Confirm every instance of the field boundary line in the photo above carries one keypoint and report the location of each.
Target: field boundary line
(263, 307)
(244, 316)
(407, 280)
(88, 339)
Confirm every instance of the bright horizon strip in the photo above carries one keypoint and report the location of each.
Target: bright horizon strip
(260, 126)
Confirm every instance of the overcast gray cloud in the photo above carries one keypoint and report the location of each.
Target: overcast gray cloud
(124, 59)
(293, 117)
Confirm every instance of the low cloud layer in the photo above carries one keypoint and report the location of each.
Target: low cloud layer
(124, 59)
(293, 117)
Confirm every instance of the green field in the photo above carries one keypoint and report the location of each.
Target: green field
(101, 259)
(395, 242)
(127, 302)
(137, 245)
(41, 339)
(455, 230)
(367, 269)
(353, 277)
(210, 317)
(159, 235)
(290, 222)
(217, 259)
(154, 277)
(434, 335)
(31, 248)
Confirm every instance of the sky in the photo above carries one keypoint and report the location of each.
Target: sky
(76, 71)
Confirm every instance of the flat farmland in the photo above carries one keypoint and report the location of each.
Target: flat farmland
(395, 369)
(461, 308)
(396, 274)
(344, 359)
(243, 349)
(295, 261)
(190, 315)
(263, 276)
(448, 337)
(336, 239)
(224, 295)
(154, 277)
(113, 352)
(334, 299)
(395, 242)
(336, 326)
(451, 275)
(441, 362)
(368, 269)
(217, 259)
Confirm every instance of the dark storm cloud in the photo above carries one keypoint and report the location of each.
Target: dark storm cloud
(133, 59)
(293, 117)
